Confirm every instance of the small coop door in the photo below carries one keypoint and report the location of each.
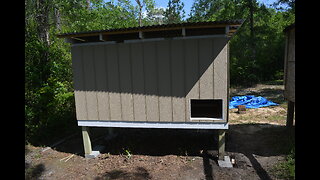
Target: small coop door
(206, 109)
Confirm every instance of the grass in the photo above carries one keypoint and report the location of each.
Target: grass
(286, 170)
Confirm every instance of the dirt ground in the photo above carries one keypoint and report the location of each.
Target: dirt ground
(257, 140)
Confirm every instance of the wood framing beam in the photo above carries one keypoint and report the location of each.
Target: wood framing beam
(143, 30)
(79, 39)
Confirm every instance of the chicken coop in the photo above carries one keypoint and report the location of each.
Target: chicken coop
(160, 76)
(289, 72)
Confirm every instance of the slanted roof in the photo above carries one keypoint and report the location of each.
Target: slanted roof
(227, 28)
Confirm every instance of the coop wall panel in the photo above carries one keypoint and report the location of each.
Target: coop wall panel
(90, 81)
(164, 74)
(113, 82)
(151, 81)
(139, 100)
(125, 82)
(220, 74)
(177, 70)
(191, 74)
(100, 62)
(206, 68)
(78, 76)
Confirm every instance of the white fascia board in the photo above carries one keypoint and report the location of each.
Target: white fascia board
(165, 125)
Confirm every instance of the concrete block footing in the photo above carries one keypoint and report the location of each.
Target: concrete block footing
(95, 152)
(225, 163)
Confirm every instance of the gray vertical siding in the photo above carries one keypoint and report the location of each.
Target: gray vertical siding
(177, 70)
(78, 83)
(164, 65)
(125, 81)
(101, 82)
(205, 49)
(191, 73)
(151, 83)
(89, 79)
(220, 75)
(113, 82)
(138, 87)
(148, 81)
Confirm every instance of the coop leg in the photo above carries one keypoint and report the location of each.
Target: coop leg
(88, 153)
(290, 114)
(221, 144)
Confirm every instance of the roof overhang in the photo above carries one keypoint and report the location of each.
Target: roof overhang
(190, 29)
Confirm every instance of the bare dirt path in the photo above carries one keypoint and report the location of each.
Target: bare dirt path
(258, 140)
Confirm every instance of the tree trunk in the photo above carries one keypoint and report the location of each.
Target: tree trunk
(57, 19)
(252, 31)
(88, 4)
(43, 21)
(140, 12)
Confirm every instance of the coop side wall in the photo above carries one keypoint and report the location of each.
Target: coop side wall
(289, 79)
(149, 81)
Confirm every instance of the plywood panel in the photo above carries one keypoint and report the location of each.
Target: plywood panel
(113, 82)
(89, 77)
(164, 74)
(139, 103)
(177, 71)
(206, 68)
(191, 74)
(151, 81)
(78, 83)
(125, 82)
(81, 105)
(100, 62)
(220, 72)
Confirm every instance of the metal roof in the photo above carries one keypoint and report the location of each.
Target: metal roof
(189, 28)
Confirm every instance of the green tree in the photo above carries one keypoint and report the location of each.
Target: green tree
(49, 99)
(174, 12)
(257, 49)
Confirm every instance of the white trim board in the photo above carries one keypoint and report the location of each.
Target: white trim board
(170, 125)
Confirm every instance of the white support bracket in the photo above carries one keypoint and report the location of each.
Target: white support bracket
(101, 37)
(183, 32)
(141, 35)
(227, 30)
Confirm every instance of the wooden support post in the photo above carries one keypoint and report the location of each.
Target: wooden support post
(290, 114)
(86, 140)
(221, 144)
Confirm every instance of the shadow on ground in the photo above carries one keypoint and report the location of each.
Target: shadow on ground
(33, 172)
(140, 173)
(248, 139)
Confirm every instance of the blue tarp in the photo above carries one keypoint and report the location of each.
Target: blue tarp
(250, 101)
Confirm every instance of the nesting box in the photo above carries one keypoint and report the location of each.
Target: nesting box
(162, 76)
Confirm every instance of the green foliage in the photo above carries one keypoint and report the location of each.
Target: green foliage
(247, 65)
(174, 12)
(49, 98)
(286, 169)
